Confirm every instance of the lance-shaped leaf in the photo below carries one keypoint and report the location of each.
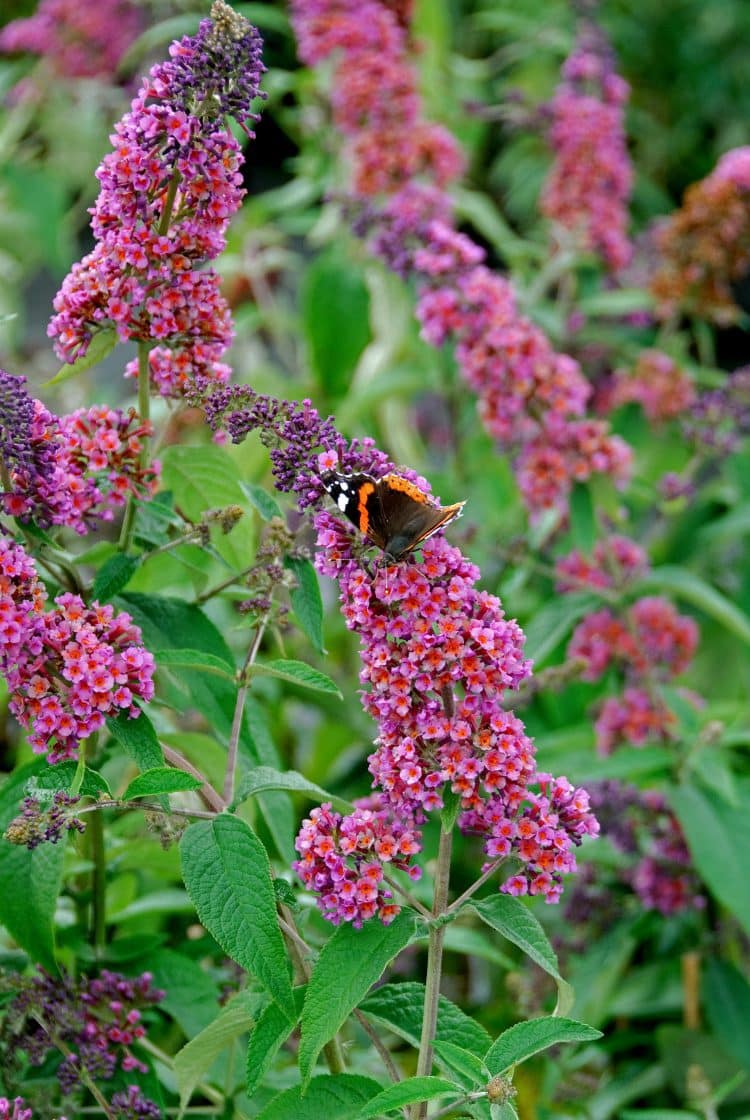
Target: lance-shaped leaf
(228, 877)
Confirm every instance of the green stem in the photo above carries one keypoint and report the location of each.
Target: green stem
(144, 409)
(434, 966)
(166, 216)
(95, 833)
(456, 906)
(239, 708)
(98, 856)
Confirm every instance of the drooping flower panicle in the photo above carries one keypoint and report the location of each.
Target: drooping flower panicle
(588, 186)
(96, 1019)
(438, 657)
(705, 245)
(648, 642)
(376, 105)
(78, 40)
(168, 190)
(531, 399)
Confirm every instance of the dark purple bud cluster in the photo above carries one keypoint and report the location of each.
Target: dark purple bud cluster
(130, 1104)
(295, 433)
(20, 454)
(720, 418)
(218, 71)
(94, 1021)
(44, 822)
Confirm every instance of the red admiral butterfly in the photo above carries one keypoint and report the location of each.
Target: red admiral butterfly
(391, 512)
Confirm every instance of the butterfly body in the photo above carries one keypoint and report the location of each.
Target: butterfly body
(392, 512)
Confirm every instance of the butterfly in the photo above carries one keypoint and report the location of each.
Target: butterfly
(392, 512)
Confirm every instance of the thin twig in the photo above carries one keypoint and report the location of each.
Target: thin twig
(115, 803)
(204, 595)
(207, 791)
(434, 966)
(84, 1075)
(454, 906)
(377, 1042)
(239, 709)
(294, 936)
(408, 897)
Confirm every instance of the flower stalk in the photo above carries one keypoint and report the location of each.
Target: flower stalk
(434, 965)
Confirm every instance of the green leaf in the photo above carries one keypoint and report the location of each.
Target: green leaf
(171, 624)
(348, 965)
(451, 809)
(154, 519)
(582, 518)
(399, 1007)
(657, 1114)
(623, 301)
(270, 1032)
(488, 220)
(195, 659)
(690, 587)
(335, 319)
(306, 601)
(138, 737)
(191, 994)
(162, 779)
(228, 877)
(406, 1092)
(263, 778)
(198, 1055)
(523, 1040)
(727, 1003)
(265, 503)
(201, 477)
(61, 776)
(718, 835)
(325, 1098)
(29, 880)
(515, 921)
(115, 574)
(462, 1063)
(299, 673)
(102, 343)
(554, 621)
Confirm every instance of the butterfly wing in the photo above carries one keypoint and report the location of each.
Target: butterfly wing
(357, 496)
(410, 517)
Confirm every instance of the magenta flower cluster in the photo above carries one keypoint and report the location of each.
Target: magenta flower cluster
(78, 40)
(97, 1021)
(168, 190)
(662, 388)
(73, 470)
(437, 658)
(67, 668)
(648, 642)
(531, 398)
(589, 184)
(343, 859)
(640, 825)
(376, 104)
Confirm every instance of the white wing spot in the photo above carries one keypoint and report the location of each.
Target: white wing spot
(342, 501)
